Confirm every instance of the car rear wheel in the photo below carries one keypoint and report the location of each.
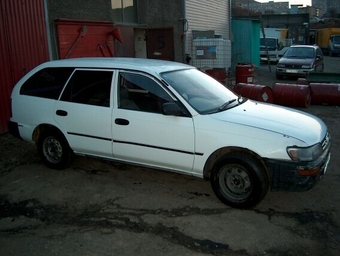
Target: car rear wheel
(54, 150)
(240, 181)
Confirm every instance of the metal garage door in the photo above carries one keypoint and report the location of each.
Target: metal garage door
(160, 44)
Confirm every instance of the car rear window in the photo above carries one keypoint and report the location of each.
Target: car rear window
(46, 83)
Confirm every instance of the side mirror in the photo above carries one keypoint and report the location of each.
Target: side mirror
(172, 109)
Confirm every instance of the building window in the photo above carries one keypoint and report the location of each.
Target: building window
(124, 10)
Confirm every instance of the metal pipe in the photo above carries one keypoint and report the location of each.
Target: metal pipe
(48, 31)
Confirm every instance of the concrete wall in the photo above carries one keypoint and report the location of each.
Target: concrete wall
(164, 14)
(97, 10)
(175, 14)
(94, 10)
(151, 14)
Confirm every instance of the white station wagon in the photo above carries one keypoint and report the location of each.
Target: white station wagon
(170, 116)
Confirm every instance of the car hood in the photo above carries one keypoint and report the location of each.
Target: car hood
(295, 61)
(273, 118)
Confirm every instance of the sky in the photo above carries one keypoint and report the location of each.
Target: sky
(303, 2)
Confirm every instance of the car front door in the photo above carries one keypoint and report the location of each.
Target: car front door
(141, 133)
(84, 112)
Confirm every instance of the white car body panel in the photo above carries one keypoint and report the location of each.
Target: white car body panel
(87, 128)
(23, 108)
(273, 118)
(154, 139)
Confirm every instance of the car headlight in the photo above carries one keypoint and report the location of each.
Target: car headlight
(306, 66)
(280, 65)
(305, 154)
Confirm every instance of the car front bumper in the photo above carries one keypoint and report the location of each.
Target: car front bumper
(285, 174)
(335, 51)
(293, 72)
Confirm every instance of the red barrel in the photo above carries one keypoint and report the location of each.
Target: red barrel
(324, 93)
(302, 81)
(245, 73)
(220, 74)
(255, 92)
(294, 95)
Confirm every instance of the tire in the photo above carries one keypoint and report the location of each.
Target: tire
(239, 181)
(54, 150)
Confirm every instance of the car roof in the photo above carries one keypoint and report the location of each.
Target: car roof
(145, 65)
(304, 45)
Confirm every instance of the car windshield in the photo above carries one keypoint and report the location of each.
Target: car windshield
(202, 92)
(269, 42)
(300, 52)
(336, 40)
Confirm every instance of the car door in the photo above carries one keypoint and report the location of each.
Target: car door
(319, 61)
(84, 112)
(141, 133)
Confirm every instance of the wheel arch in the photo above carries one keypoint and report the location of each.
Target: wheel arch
(222, 152)
(41, 128)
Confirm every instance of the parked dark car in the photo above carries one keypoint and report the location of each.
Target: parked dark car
(299, 60)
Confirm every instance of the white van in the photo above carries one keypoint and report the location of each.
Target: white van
(170, 116)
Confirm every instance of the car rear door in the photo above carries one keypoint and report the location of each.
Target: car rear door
(141, 133)
(84, 112)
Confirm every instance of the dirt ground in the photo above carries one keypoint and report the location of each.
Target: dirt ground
(102, 208)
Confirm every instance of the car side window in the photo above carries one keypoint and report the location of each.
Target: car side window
(319, 52)
(46, 83)
(91, 87)
(140, 92)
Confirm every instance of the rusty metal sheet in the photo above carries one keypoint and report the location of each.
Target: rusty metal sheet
(81, 38)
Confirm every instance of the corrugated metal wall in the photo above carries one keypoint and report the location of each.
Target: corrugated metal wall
(246, 42)
(5, 77)
(23, 46)
(207, 15)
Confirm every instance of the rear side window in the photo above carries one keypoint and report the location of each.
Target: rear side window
(46, 83)
(91, 87)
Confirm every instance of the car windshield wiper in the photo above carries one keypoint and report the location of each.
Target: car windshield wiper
(225, 105)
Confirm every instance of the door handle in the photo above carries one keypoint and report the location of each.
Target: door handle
(61, 112)
(121, 121)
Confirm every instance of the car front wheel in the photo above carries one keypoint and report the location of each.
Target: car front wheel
(54, 150)
(239, 181)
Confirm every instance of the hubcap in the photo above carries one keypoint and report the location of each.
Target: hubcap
(235, 182)
(52, 150)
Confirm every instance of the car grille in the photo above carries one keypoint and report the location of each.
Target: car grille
(294, 66)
